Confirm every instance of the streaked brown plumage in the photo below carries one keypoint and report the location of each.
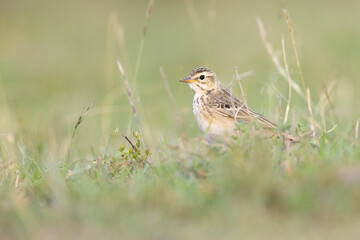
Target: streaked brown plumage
(216, 109)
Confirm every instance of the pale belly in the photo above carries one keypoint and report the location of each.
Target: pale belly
(213, 124)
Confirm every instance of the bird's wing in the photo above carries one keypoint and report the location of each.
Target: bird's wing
(228, 105)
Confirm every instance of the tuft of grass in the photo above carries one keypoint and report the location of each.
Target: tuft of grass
(124, 161)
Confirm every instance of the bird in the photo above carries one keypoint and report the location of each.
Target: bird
(217, 110)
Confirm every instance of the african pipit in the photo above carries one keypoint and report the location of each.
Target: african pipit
(217, 110)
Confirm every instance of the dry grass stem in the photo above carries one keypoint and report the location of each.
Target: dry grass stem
(327, 95)
(288, 79)
(310, 109)
(287, 167)
(332, 129)
(283, 72)
(118, 32)
(357, 129)
(138, 62)
(113, 38)
(294, 46)
(148, 14)
(232, 100)
(276, 60)
(246, 74)
(193, 14)
(231, 84)
(241, 76)
(293, 124)
(298, 65)
(142, 43)
(322, 116)
(128, 91)
(173, 103)
(110, 51)
(17, 179)
(81, 118)
(325, 99)
(6, 121)
(238, 78)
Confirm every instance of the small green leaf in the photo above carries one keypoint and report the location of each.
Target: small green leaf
(121, 148)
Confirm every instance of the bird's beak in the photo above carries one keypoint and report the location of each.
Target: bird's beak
(188, 80)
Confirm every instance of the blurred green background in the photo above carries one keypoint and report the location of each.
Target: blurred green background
(58, 56)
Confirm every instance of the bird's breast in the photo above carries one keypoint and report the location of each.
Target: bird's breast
(210, 121)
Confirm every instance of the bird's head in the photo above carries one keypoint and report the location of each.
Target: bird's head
(202, 80)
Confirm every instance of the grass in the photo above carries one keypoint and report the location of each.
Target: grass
(238, 187)
(164, 181)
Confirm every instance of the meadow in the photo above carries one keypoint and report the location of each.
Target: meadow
(98, 138)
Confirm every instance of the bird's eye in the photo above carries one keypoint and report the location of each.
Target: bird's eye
(202, 77)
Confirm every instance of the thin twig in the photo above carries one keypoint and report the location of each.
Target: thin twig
(357, 129)
(132, 145)
(173, 103)
(137, 150)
